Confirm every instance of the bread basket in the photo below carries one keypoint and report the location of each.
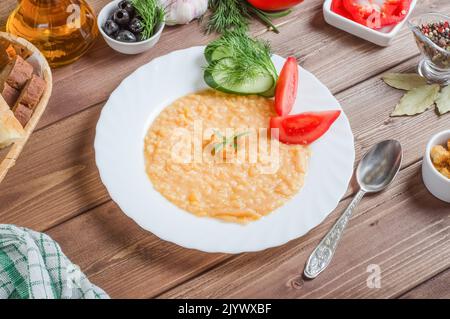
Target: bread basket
(41, 67)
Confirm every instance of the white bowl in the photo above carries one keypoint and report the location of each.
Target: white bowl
(382, 37)
(125, 47)
(437, 184)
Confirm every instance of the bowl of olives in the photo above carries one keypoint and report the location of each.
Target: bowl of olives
(125, 30)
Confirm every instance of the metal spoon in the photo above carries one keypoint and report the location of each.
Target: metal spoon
(375, 172)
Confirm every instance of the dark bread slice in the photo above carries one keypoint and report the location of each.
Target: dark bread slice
(16, 73)
(10, 94)
(32, 92)
(23, 114)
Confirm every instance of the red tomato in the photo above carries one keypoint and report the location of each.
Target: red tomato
(337, 6)
(274, 5)
(395, 11)
(376, 14)
(286, 90)
(303, 128)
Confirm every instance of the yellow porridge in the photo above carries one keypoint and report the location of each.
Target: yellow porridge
(226, 171)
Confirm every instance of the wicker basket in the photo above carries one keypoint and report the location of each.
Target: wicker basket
(45, 71)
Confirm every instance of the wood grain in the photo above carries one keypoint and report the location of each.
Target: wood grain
(41, 190)
(435, 288)
(128, 262)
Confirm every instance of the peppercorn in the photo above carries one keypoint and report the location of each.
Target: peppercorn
(438, 32)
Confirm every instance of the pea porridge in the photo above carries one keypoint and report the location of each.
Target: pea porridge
(215, 173)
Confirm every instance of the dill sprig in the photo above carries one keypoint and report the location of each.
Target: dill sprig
(249, 58)
(227, 15)
(235, 14)
(151, 13)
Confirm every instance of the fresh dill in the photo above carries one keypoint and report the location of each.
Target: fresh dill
(235, 15)
(151, 13)
(248, 58)
(227, 15)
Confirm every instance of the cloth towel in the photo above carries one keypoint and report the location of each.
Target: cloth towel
(32, 266)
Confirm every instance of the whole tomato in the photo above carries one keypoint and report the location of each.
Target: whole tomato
(274, 5)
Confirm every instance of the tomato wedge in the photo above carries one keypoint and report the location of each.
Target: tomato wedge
(303, 128)
(376, 14)
(274, 5)
(286, 90)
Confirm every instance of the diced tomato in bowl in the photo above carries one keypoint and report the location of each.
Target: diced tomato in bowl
(374, 14)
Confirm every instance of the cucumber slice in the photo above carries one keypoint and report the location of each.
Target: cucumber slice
(215, 79)
(220, 53)
(214, 53)
(210, 48)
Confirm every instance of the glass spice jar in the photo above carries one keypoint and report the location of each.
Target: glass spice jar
(63, 30)
(432, 35)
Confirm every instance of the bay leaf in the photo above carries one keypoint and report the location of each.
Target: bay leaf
(404, 81)
(443, 101)
(417, 100)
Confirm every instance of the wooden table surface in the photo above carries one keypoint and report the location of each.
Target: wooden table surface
(55, 186)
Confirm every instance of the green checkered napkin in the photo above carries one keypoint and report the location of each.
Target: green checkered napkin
(32, 266)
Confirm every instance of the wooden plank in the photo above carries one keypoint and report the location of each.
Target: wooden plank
(128, 262)
(408, 239)
(55, 178)
(435, 288)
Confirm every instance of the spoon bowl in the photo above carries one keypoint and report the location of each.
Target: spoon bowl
(379, 166)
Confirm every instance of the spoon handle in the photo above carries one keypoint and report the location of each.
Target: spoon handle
(321, 256)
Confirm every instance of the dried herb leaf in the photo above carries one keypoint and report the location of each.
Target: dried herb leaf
(443, 100)
(417, 100)
(404, 81)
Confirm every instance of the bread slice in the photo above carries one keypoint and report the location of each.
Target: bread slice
(10, 128)
(10, 94)
(16, 73)
(31, 92)
(23, 114)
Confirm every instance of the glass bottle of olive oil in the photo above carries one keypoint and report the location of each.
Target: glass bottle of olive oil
(63, 30)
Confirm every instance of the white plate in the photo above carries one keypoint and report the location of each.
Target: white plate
(119, 145)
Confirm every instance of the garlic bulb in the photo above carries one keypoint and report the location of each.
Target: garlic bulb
(183, 11)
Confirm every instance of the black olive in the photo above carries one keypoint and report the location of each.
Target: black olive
(125, 36)
(110, 27)
(128, 6)
(121, 17)
(136, 26)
